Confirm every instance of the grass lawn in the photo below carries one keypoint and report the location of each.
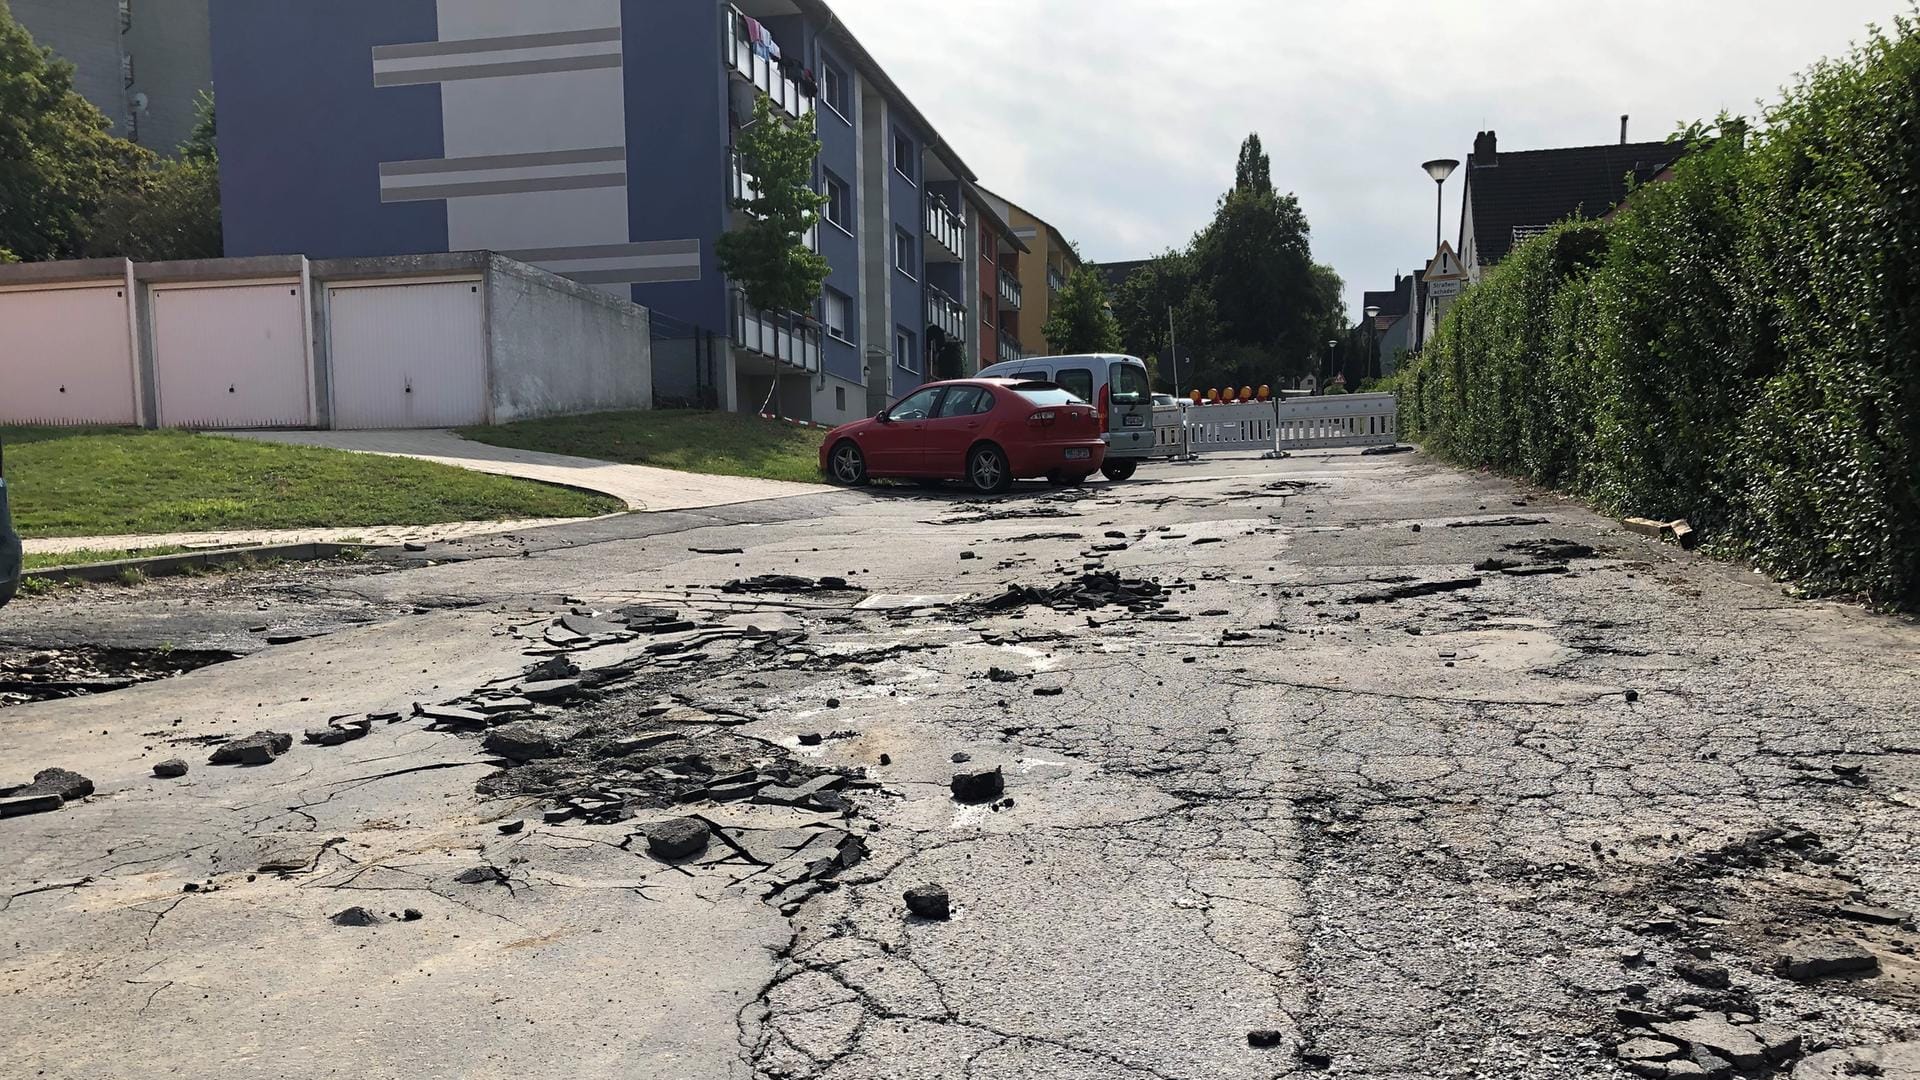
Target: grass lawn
(120, 482)
(723, 444)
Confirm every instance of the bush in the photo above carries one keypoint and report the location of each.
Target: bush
(1738, 347)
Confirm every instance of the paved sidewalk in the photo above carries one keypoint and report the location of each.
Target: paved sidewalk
(643, 487)
(374, 535)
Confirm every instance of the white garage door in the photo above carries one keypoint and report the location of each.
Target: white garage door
(232, 356)
(66, 356)
(407, 356)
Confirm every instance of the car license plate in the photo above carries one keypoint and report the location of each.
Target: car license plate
(1079, 455)
(1134, 421)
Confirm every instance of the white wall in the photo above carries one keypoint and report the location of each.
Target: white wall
(558, 347)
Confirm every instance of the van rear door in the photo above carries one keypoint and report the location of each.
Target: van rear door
(1129, 407)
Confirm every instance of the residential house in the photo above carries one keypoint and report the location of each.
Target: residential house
(595, 139)
(141, 62)
(1042, 274)
(1511, 196)
(1393, 326)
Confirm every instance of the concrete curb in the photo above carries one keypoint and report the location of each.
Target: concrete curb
(170, 565)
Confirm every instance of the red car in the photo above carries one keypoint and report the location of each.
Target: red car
(988, 432)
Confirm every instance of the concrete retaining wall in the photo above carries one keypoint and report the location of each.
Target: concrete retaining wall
(558, 347)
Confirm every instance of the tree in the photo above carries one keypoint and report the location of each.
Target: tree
(1169, 284)
(1081, 321)
(1255, 170)
(170, 209)
(766, 256)
(58, 160)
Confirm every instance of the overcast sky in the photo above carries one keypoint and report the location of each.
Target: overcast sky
(1118, 120)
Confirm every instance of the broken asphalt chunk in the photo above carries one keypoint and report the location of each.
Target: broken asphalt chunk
(355, 916)
(678, 838)
(69, 786)
(340, 731)
(1867, 913)
(929, 902)
(450, 716)
(1806, 961)
(520, 743)
(22, 805)
(1418, 589)
(170, 769)
(259, 748)
(979, 785)
(1718, 1036)
(481, 875)
(1264, 1039)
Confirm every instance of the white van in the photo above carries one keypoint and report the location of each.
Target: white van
(1117, 385)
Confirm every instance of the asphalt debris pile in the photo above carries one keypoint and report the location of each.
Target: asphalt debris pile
(50, 790)
(1530, 558)
(28, 675)
(789, 583)
(1692, 1041)
(1087, 591)
(340, 730)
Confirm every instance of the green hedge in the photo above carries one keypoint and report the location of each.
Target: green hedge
(1737, 347)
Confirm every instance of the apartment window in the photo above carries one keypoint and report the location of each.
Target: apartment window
(905, 352)
(986, 307)
(838, 307)
(833, 90)
(903, 253)
(839, 203)
(903, 156)
(840, 399)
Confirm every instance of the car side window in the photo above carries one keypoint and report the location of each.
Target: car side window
(916, 406)
(1076, 381)
(986, 403)
(960, 401)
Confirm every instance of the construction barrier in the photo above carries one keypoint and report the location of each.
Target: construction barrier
(1277, 426)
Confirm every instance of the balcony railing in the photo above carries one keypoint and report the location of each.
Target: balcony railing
(946, 313)
(945, 227)
(1055, 279)
(742, 185)
(1009, 347)
(1009, 290)
(756, 65)
(787, 339)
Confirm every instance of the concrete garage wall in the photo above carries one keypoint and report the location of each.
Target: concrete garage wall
(252, 342)
(558, 347)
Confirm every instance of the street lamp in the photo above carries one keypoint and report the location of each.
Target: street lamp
(1331, 345)
(1439, 169)
(1373, 347)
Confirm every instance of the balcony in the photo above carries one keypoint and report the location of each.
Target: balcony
(1009, 291)
(785, 339)
(946, 313)
(1055, 279)
(742, 186)
(1009, 348)
(753, 65)
(945, 228)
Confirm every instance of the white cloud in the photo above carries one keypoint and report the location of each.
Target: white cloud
(1118, 120)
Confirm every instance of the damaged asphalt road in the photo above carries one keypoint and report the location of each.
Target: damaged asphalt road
(1258, 770)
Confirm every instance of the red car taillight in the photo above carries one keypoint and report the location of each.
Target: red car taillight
(1104, 397)
(1043, 418)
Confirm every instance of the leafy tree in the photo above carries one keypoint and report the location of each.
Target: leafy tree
(1255, 170)
(58, 160)
(1169, 284)
(765, 256)
(171, 208)
(1258, 264)
(1081, 321)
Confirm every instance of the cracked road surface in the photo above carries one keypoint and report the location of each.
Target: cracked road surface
(1408, 817)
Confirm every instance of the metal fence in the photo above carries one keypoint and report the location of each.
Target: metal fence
(686, 364)
(1187, 431)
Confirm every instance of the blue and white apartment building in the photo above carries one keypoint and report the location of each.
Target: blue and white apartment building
(594, 138)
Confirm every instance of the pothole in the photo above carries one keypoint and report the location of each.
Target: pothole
(28, 674)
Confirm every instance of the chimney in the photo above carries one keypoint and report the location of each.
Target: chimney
(1486, 149)
(1623, 130)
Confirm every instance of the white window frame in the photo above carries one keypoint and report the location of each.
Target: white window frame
(899, 137)
(900, 234)
(830, 181)
(829, 68)
(911, 361)
(826, 313)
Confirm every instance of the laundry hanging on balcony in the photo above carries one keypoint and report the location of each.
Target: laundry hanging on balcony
(762, 42)
(801, 74)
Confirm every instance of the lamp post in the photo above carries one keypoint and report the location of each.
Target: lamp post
(1325, 382)
(1373, 346)
(1439, 169)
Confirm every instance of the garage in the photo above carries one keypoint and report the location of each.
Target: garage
(232, 355)
(69, 354)
(407, 355)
